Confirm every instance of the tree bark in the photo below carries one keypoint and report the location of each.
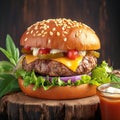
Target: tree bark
(18, 106)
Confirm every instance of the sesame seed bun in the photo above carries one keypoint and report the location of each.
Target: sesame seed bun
(61, 34)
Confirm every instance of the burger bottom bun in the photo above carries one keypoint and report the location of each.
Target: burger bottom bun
(59, 92)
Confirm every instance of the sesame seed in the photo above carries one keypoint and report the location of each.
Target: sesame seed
(54, 29)
(26, 39)
(47, 21)
(31, 31)
(68, 26)
(37, 31)
(36, 24)
(58, 33)
(27, 33)
(39, 34)
(80, 31)
(47, 26)
(51, 33)
(29, 28)
(36, 27)
(42, 31)
(41, 27)
(70, 23)
(65, 32)
(65, 39)
(63, 28)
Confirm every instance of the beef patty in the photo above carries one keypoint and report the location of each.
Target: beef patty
(54, 68)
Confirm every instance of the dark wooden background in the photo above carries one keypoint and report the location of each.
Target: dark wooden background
(101, 15)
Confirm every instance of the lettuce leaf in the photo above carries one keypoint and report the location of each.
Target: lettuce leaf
(8, 83)
(100, 74)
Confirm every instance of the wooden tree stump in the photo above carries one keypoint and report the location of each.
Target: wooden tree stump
(18, 106)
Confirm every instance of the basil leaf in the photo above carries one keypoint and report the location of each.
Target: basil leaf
(17, 55)
(6, 66)
(6, 53)
(8, 84)
(11, 48)
(11, 52)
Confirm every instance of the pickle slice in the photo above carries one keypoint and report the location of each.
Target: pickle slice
(50, 56)
(94, 53)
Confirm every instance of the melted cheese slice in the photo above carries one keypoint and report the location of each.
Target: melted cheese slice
(71, 64)
(30, 58)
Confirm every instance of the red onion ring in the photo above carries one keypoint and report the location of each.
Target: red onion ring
(72, 78)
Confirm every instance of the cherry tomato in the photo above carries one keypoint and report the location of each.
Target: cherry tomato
(44, 51)
(26, 49)
(72, 54)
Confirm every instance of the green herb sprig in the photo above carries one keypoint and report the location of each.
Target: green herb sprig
(8, 80)
(11, 52)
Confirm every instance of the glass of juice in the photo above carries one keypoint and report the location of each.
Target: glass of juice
(109, 95)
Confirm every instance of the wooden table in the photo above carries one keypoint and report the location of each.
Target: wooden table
(18, 106)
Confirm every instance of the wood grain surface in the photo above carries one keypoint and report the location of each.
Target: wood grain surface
(18, 106)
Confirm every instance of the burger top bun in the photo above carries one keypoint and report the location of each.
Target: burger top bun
(61, 33)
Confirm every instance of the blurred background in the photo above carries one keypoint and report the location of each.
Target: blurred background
(101, 15)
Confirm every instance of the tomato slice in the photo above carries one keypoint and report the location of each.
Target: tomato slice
(44, 51)
(72, 54)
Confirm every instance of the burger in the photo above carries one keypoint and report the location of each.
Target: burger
(59, 55)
